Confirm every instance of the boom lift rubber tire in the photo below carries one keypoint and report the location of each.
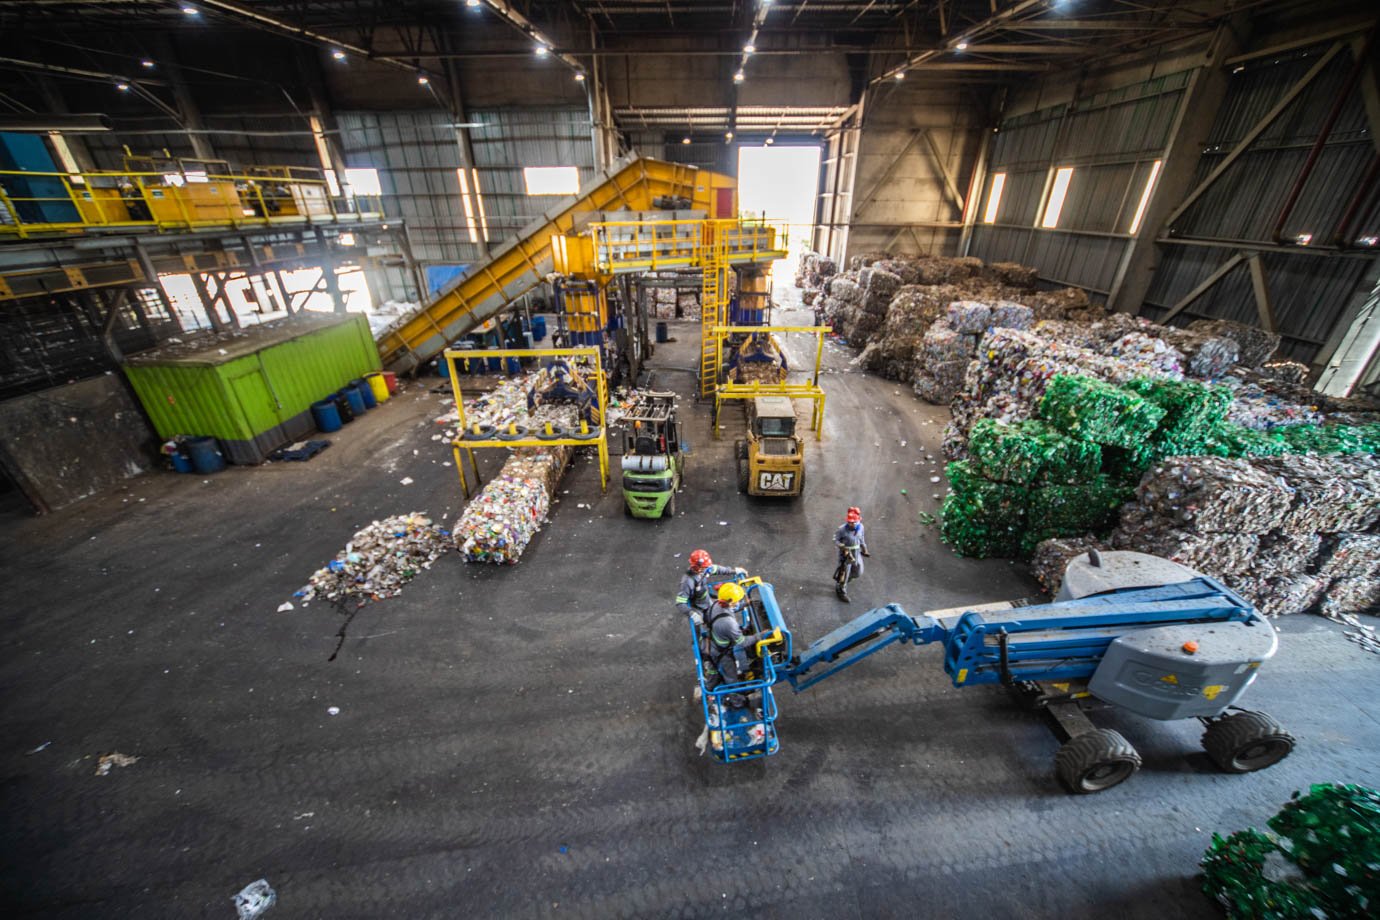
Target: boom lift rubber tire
(1244, 742)
(1095, 761)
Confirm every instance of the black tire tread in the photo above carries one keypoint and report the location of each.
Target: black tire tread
(1227, 735)
(1083, 751)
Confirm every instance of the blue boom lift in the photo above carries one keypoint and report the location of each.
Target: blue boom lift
(1127, 630)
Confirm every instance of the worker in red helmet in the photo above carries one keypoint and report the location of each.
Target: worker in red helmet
(694, 598)
(852, 545)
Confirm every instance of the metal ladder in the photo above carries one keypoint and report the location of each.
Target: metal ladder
(713, 305)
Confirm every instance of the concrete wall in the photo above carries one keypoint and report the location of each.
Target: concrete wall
(64, 444)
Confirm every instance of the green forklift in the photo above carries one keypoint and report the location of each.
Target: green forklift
(652, 457)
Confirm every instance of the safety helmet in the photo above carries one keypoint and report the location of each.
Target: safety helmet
(699, 560)
(730, 593)
(854, 515)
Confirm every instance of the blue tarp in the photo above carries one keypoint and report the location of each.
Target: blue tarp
(440, 277)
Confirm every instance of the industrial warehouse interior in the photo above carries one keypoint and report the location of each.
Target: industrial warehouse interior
(686, 458)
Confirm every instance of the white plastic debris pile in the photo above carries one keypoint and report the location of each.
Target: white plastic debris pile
(379, 560)
(502, 520)
(252, 901)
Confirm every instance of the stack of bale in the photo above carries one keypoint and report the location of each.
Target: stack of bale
(502, 520)
(950, 344)
(1037, 480)
(1256, 345)
(894, 351)
(1010, 374)
(1288, 533)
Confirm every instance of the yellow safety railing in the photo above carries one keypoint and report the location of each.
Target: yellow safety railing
(653, 245)
(467, 444)
(59, 202)
(811, 390)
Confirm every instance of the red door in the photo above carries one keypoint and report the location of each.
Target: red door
(723, 204)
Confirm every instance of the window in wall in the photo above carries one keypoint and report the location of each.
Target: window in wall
(1058, 191)
(1145, 197)
(64, 155)
(479, 205)
(363, 180)
(989, 216)
(551, 180)
(468, 204)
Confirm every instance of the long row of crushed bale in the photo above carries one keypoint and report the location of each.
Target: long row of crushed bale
(1071, 426)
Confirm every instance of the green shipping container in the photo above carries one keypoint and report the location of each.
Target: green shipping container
(253, 392)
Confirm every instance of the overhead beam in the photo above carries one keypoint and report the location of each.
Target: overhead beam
(1258, 129)
(943, 167)
(515, 18)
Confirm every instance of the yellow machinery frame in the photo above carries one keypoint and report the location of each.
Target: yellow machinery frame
(601, 388)
(811, 391)
(171, 207)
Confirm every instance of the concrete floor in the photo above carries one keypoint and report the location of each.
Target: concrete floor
(517, 742)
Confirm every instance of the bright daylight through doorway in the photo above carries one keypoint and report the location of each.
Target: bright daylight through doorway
(781, 184)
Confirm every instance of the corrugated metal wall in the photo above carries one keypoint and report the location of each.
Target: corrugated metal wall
(1111, 140)
(418, 154)
(511, 139)
(1311, 291)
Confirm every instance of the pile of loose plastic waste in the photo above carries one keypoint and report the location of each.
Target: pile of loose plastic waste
(1320, 859)
(379, 560)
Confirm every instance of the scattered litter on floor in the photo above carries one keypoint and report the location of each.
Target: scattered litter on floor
(114, 759)
(333, 710)
(379, 560)
(41, 747)
(285, 607)
(255, 899)
(406, 481)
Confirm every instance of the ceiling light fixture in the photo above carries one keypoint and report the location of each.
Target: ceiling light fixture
(422, 81)
(769, 142)
(962, 46)
(900, 75)
(579, 77)
(739, 77)
(338, 54)
(542, 50)
(728, 136)
(122, 87)
(191, 11)
(471, 3)
(749, 48)
(685, 140)
(146, 63)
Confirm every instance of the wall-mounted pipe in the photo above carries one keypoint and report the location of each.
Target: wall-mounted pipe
(1358, 201)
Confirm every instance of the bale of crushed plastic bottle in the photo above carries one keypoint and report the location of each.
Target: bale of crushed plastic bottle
(982, 518)
(1051, 558)
(1193, 413)
(1216, 495)
(1069, 510)
(1029, 451)
(1092, 410)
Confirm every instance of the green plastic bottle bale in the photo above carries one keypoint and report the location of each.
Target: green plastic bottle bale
(971, 532)
(1073, 510)
(1192, 413)
(1330, 439)
(1091, 410)
(1030, 451)
(982, 518)
(1321, 861)
(1233, 440)
(1128, 465)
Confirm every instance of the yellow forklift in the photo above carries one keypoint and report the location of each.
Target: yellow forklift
(771, 460)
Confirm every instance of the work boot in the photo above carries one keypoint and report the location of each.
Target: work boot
(842, 592)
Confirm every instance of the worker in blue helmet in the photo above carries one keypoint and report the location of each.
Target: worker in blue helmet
(852, 546)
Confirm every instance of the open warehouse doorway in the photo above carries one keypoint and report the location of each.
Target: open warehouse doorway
(781, 183)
